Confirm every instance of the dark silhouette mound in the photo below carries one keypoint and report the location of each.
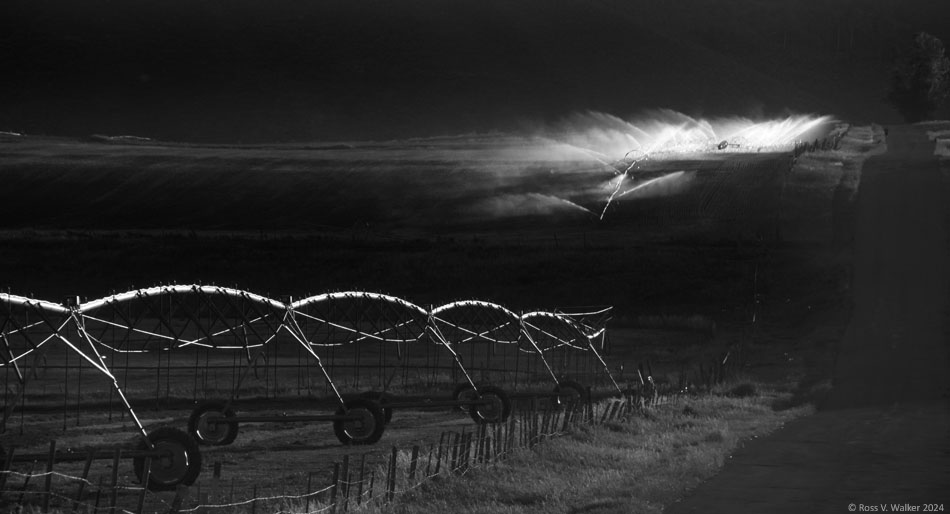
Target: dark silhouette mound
(881, 437)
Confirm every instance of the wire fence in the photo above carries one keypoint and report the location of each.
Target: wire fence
(357, 481)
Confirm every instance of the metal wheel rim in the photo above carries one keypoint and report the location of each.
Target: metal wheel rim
(211, 432)
(490, 411)
(468, 395)
(572, 397)
(359, 428)
(172, 466)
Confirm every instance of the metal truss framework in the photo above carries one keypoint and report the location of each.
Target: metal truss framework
(165, 341)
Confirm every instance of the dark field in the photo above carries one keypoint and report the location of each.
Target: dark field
(452, 186)
(426, 220)
(686, 262)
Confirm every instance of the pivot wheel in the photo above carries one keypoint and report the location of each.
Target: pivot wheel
(176, 459)
(364, 422)
(204, 426)
(569, 392)
(382, 399)
(493, 406)
(464, 393)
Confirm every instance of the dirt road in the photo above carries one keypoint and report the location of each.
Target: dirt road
(882, 439)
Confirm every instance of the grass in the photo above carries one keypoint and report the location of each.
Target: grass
(634, 466)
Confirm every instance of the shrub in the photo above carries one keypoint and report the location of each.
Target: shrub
(921, 78)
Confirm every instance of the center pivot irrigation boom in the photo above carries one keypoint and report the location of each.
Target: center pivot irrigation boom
(496, 347)
(367, 353)
(364, 344)
(37, 335)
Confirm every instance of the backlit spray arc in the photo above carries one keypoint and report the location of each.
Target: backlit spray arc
(624, 145)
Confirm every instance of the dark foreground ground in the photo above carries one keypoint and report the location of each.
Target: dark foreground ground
(882, 438)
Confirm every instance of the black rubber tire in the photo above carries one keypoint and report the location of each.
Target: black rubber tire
(367, 430)
(219, 434)
(182, 466)
(495, 412)
(382, 399)
(569, 391)
(464, 392)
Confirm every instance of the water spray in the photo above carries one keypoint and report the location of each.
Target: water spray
(668, 133)
(623, 175)
(638, 187)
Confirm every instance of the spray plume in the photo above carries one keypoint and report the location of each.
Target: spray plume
(622, 145)
(665, 132)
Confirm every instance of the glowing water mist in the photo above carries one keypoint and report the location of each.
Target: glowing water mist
(623, 145)
(666, 133)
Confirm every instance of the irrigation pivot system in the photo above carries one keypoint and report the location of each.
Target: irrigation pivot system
(356, 357)
(497, 345)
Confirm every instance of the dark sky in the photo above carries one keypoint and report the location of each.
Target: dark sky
(279, 70)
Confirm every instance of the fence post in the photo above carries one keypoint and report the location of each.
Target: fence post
(542, 416)
(95, 507)
(345, 481)
(180, 492)
(346, 490)
(148, 475)
(82, 482)
(590, 405)
(428, 461)
(372, 483)
(479, 444)
(336, 485)
(539, 425)
(453, 463)
(438, 460)
(359, 489)
(48, 485)
(115, 479)
(499, 429)
(413, 462)
(215, 481)
(306, 491)
(7, 464)
(523, 431)
(391, 495)
(467, 450)
(546, 423)
(531, 417)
